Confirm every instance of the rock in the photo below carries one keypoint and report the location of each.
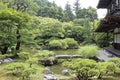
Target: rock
(49, 77)
(48, 71)
(65, 72)
(8, 60)
(0, 62)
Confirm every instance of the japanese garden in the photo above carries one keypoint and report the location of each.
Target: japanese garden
(39, 40)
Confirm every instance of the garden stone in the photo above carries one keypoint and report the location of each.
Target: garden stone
(7, 60)
(49, 77)
(48, 71)
(0, 62)
(65, 72)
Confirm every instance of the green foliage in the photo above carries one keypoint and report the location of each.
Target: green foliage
(2, 6)
(20, 69)
(84, 68)
(68, 13)
(24, 55)
(73, 30)
(28, 72)
(49, 29)
(89, 51)
(105, 67)
(9, 20)
(55, 44)
(27, 6)
(67, 43)
(116, 61)
(44, 54)
(58, 44)
(72, 44)
(15, 69)
(32, 61)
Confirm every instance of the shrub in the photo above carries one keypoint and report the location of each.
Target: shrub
(67, 43)
(55, 44)
(15, 69)
(44, 54)
(71, 43)
(27, 72)
(32, 61)
(21, 70)
(83, 68)
(23, 55)
(89, 51)
(45, 57)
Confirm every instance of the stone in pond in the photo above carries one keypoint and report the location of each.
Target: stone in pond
(49, 77)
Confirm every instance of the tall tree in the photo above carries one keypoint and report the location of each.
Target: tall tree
(68, 13)
(90, 13)
(28, 6)
(10, 22)
(77, 8)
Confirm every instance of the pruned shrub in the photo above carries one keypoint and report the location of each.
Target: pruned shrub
(72, 44)
(15, 69)
(89, 51)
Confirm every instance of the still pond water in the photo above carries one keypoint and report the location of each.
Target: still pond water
(57, 69)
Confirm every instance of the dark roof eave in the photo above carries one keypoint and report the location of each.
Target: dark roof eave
(103, 4)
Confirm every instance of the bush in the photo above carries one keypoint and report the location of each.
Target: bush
(27, 72)
(15, 69)
(89, 51)
(32, 61)
(21, 70)
(67, 43)
(44, 54)
(24, 55)
(72, 44)
(45, 57)
(83, 68)
(55, 44)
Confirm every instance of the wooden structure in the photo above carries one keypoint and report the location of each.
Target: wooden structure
(111, 23)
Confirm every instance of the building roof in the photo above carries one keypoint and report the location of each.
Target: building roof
(108, 24)
(103, 3)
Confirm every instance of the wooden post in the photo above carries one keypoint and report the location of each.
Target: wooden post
(107, 44)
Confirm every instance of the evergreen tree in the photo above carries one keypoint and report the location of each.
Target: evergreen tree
(68, 13)
(77, 8)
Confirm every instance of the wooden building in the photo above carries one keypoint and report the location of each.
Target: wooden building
(111, 23)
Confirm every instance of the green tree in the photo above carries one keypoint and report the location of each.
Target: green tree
(73, 30)
(50, 29)
(28, 6)
(76, 8)
(10, 21)
(90, 13)
(68, 13)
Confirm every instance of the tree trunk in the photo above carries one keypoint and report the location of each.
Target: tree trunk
(79, 78)
(99, 76)
(4, 50)
(18, 40)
